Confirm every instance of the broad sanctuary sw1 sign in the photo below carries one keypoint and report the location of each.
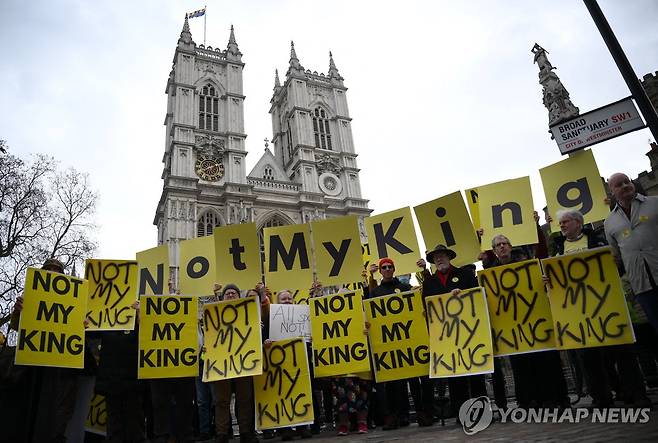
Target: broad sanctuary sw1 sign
(597, 125)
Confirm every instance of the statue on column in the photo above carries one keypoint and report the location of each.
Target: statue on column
(556, 97)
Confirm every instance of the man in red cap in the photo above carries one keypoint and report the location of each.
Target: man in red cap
(393, 396)
(389, 284)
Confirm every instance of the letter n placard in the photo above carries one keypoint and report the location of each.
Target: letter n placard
(506, 208)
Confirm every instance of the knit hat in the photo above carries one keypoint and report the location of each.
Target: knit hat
(230, 286)
(386, 260)
(53, 263)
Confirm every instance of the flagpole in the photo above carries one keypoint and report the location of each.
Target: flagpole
(205, 11)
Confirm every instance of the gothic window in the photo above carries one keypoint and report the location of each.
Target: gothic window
(273, 222)
(289, 137)
(206, 224)
(209, 108)
(321, 129)
(268, 173)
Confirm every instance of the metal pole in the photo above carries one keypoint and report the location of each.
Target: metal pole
(204, 24)
(640, 96)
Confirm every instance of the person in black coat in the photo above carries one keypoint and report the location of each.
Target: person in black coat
(393, 395)
(448, 278)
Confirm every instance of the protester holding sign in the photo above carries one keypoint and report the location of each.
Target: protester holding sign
(576, 238)
(448, 278)
(45, 409)
(285, 298)
(393, 396)
(243, 388)
(538, 378)
(632, 231)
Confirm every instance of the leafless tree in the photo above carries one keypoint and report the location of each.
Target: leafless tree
(44, 212)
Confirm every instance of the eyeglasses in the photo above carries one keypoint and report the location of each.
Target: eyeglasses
(502, 243)
(386, 267)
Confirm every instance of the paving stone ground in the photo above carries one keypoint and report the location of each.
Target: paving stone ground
(512, 432)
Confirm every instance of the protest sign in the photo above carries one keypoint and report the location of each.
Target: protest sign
(398, 336)
(338, 256)
(288, 257)
(290, 321)
(197, 270)
(360, 283)
(232, 339)
(587, 300)
(518, 308)
(392, 235)
(506, 208)
(112, 292)
(153, 271)
(339, 341)
(459, 334)
(96, 421)
(575, 184)
(283, 391)
(237, 255)
(51, 330)
(168, 337)
(473, 206)
(445, 221)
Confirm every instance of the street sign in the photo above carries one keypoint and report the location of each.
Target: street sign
(598, 125)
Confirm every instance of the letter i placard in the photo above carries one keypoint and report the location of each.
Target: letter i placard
(51, 330)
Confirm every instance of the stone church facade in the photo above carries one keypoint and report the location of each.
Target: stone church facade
(311, 172)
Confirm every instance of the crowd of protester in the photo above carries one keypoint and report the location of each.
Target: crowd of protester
(39, 404)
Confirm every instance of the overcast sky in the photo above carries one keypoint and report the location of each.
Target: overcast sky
(444, 95)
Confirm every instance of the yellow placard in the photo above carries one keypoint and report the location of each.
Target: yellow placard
(153, 271)
(339, 341)
(283, 392)
(338, 254)
(197, 270)
(393, 235)
(112, 292)
(575, 184)
(587, 300)
(288, 257)
(366, 255)
(232, 339)
(460, 337)
(518, 308)
(96, 421)
(51, 330)
(445, 221)
(238, 255)
(473, 206)
(398, 336)
(360, 283)
(168, 337)
(506, 208)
